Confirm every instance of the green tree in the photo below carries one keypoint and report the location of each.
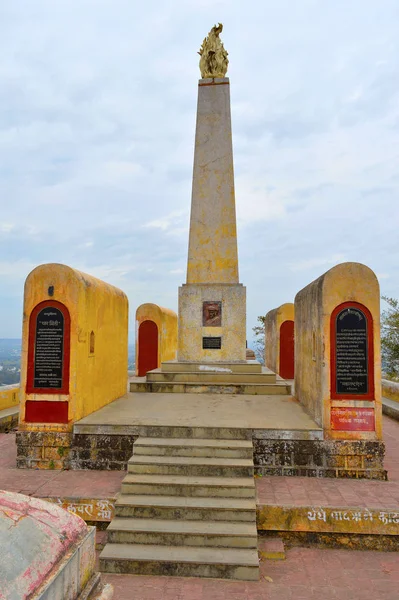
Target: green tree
(259, 339)
(390, 337)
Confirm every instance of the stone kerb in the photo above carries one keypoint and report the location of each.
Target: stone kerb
(274, 321)
(337, 352)
(74, 359)
(166, 323)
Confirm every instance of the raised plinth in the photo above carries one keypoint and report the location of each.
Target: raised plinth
(248, 366)
(217, 378)
(228, 327)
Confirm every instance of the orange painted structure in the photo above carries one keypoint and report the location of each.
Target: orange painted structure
(74, 358)
(337, 352)
(156, 337)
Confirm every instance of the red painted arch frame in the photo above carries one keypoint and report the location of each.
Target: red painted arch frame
(370, 362)
(31, 349)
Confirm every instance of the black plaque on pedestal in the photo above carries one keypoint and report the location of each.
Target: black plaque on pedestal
(211, 343)
(49, 349)
(351, 350)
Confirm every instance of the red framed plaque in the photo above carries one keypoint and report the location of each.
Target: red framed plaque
(49, 349)
(352, 352)
(352, 419)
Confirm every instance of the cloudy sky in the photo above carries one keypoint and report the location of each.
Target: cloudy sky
(97, 118)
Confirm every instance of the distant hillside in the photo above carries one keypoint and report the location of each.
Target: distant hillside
(10, 361)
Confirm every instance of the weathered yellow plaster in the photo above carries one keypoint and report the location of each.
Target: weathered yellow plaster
(313, 308)
(191, 330)
(212, 252)
(88, 509)
(273, 321)
(9, 396)
(97, 378)
(390, 389)
(327, 519)
(166, 321)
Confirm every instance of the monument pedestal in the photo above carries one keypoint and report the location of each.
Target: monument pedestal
(212, 321)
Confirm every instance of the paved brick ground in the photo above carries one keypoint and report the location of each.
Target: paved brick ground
(83, 484)
(307, 491)
(297, 491)
(310, 574)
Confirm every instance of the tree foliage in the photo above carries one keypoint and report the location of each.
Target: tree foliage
(259, 339)
(390, 337)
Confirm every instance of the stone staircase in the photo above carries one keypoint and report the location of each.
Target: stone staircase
(221, 378)
(186, 508)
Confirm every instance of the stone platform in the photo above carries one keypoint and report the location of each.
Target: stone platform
(295, 503)
(247, 377)
(286, 440)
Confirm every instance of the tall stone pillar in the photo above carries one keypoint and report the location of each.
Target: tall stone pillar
(212, 303)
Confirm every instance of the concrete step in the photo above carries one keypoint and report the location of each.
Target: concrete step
(177, 485)
(182, 561)
(204, 377)
(271, 548)
(249, 366)
(190, 508)
(264, 389)
(192, 466)
(197, 447)
(219, 534)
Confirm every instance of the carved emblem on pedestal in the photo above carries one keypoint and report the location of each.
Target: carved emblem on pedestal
(212, 314)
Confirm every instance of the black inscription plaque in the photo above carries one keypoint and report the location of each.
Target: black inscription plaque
(49, 349)
(351, 352)
(211, 343)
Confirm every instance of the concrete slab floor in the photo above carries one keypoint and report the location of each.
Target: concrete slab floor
(204, 410)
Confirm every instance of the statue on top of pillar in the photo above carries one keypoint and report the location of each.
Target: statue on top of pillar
(213, 61)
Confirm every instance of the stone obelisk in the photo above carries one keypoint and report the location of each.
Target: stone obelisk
(212, 303)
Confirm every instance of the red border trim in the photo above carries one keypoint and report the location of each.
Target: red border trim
(31, 349)
(46, 411)
(333, 344)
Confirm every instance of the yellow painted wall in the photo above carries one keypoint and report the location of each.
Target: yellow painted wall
(273, 321)
(390, 389)
(313, 307)
(9, 396)
(95, 379)
(166, 321)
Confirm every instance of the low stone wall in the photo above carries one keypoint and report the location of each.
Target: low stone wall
(43, 449)
(100, 451)
(320, 458)
(309, 458)
(390, 389)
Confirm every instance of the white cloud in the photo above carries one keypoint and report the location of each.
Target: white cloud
(97, 121)
(311, 263)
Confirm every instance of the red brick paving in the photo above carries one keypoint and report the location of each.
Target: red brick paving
(40, 483)
(312, 491)
(311, 574)
(290, 491)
